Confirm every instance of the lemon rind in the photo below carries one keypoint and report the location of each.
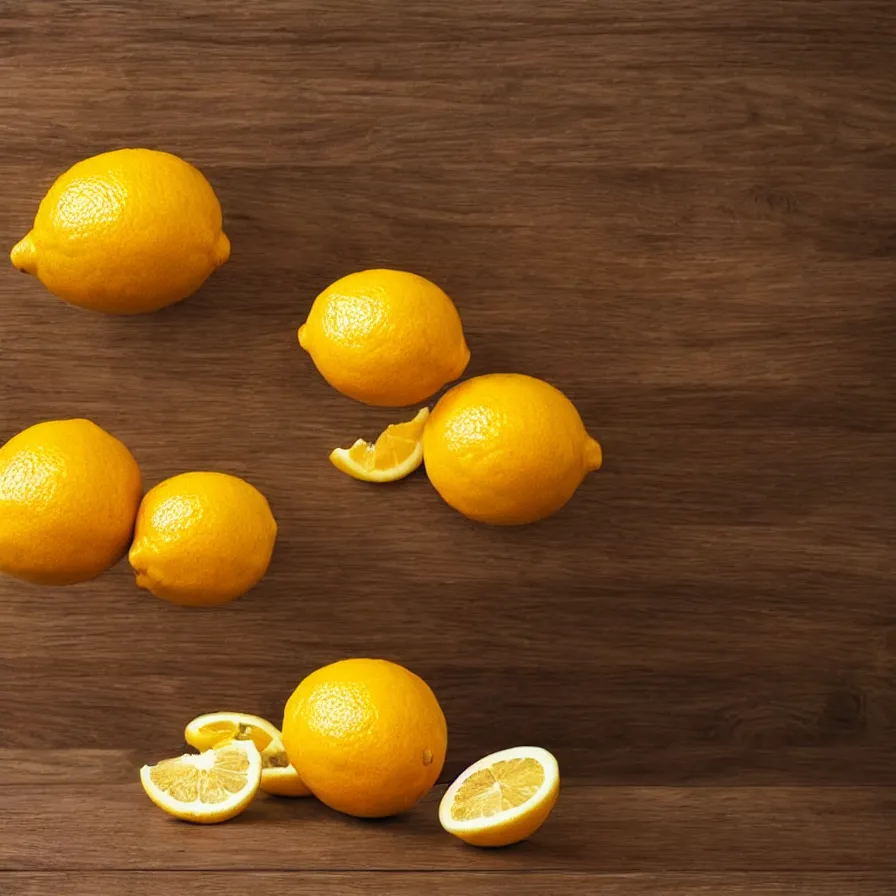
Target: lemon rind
(208, 813)
(548, 786)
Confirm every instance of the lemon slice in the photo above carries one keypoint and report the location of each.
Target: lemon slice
(503, 798)
(278, 777)
(395, 454)
(206, 788)
(215, 728)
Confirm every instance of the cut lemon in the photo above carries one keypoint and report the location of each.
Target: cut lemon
(395, 454)
(503, 798)
(206, 788)
(215, 728)
(278, 777)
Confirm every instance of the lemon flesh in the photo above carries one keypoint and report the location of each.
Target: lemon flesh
(396, 453)
(208, 788)
(502, 799)
(278, 777)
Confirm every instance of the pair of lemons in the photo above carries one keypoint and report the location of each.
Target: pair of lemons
(135, 230)
(72, 504)
(505, 449)
(368, 738)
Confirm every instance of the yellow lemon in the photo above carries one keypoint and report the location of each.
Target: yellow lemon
(366, 735)
(502, 799)
(213, 729)
(507, 449)
(395, 454)
(386, 338)
(69, 494)
(202, 539)
(214, 786)
(125, 232)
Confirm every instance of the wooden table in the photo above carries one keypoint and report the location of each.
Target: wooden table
(682, 214)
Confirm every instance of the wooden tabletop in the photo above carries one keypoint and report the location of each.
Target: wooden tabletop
(683, 215)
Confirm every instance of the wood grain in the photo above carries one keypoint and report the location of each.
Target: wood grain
(681, 214)
(597, 829)
(412, 884)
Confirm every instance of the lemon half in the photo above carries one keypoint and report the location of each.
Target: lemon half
(278, 777)
(503, 798)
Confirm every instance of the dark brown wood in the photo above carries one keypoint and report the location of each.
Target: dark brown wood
(412, 884)
(596, 829)
(682, 214)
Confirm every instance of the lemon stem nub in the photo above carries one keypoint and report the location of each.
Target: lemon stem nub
(594, 456)
(222, 250)
(23, 255)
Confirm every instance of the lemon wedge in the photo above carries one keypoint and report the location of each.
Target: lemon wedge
(214, 728)
(503, 798)
(278, 777)
(395, 454)
(206, 788)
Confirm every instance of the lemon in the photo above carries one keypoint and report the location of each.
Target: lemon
(386, 338)
(125, 232)
(502, 799)
(207, 788)
(366, 735)
(202, 539)
(69, 493)
(277, 775)
(396, 454)
(507, 449)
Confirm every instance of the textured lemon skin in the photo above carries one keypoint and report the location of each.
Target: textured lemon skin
(386, 338)
(125, 232)
(507, 449)
(202, 539)
(367, 736)
(69, 493)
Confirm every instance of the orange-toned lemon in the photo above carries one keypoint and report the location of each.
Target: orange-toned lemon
(366, 735)
(125, 232)
(507, 449)
(69, 494)
(202, 539)
(385, 337)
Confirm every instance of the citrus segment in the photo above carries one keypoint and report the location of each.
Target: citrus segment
(396, 453)
(206, 788)
(278, 777)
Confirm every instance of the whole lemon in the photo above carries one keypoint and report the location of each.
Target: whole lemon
(202, 539)
(366, 735)
(125, 232)
(507, 449)
(387, 338)
(69, 494)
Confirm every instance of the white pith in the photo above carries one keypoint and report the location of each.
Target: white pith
(551, 775)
